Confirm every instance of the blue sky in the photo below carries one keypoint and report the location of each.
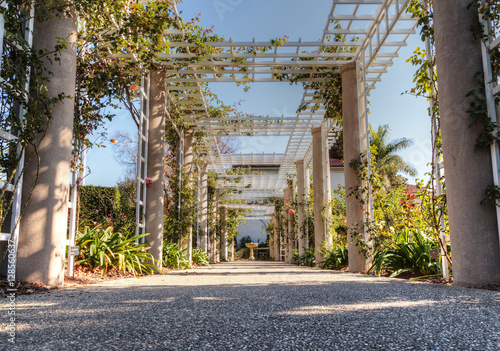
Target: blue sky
(264, 20)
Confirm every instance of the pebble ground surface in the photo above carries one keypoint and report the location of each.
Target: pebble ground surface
(257, 306)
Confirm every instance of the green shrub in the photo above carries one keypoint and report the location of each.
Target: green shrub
(200, 258)
(107, 207)
(244, 240)
(97, 203)
(174, 257)
(105, 249)
(334, 258)
(170, 229)
(306, 259)
(128, 194)
(410, 252)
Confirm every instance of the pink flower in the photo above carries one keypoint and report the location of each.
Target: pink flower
(149, 182)
(345, 220)
(291, 211)
(96, 211)
(110, 223)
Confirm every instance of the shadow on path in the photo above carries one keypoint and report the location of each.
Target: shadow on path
(261, 306)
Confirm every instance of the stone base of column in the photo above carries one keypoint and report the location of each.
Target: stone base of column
(357, 260)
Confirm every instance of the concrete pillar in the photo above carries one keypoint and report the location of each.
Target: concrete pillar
(217, 219)
(43, 227)
(473, 227)
(271, 237)
(213, 233)
(291, 238)
(232, 249)
(285, 238)
(328, 192)
(189, 167)
(223, 234)
(156, 164)
(276, 237)
(352, 151)
(319, 193)
(291, 233)
(204, 208)
(301, 200)
(307, 194)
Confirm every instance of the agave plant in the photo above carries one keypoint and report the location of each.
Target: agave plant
(410, 252)
(174, 257)
(106, 249)
(94, 248)
(306, 259)
(132, 256)
(200, 258)
(335, 257)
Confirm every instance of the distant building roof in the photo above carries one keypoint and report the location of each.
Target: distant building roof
(256, 166)
(412, 188)
(336, 162)
(333, 163)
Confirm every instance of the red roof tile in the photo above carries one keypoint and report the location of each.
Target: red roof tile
(412, 188)
(336, 163)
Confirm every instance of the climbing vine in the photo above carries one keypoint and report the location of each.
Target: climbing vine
(425, 79)
(478, 111)
(25, 104)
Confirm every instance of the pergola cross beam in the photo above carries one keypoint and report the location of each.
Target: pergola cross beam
(370, 32)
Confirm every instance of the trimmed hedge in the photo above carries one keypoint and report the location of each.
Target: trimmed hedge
(103, 205)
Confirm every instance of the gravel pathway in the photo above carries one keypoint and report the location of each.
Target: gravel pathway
(257, 306)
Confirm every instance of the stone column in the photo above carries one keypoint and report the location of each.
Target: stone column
(473, 227)
(232, 249)
(285, 238)
(291, 238)
(319, 193)
(213, 233)
(307, 194)
(271, 237)
(204, 208)
(352, 151)
(189, 166)
(291, 234)
(301, 199)
(156, 164)
(43, 227)
(328, 192)
(276, 252)
(223, 234)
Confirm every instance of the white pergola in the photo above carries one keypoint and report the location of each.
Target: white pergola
(369, 32)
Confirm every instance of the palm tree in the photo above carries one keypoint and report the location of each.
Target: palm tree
(387, 162)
